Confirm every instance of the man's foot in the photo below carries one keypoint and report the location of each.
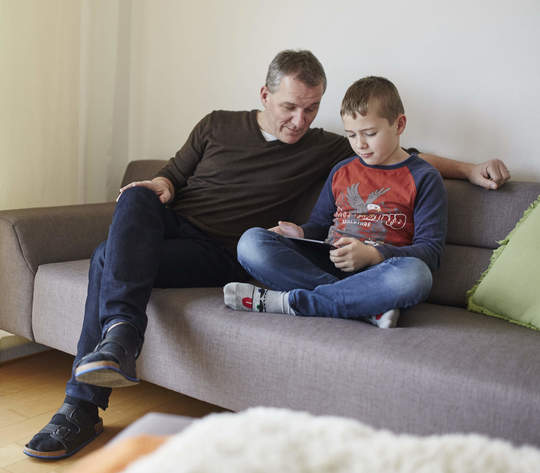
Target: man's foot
(244, 296)
(73, 426)
(112, 363)
(387, 319)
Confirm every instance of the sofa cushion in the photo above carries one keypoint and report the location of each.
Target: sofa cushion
(509, 287)
(479, 217)
(454, 278)
(443, 370)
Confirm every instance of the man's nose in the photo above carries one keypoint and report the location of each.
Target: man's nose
(299, 118)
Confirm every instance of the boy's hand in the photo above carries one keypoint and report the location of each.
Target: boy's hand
(353, 255)
(288, 229)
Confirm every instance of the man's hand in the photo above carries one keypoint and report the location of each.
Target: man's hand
(288, 229)
(353, 255)
(161, 186)
(491, 174)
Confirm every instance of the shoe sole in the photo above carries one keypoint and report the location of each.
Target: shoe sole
(106, 374)
(58, 454)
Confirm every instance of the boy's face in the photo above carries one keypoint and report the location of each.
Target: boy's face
(373, 138)
(290, 110)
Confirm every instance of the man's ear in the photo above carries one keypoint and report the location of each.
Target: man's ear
(264, 95)
(401, 123)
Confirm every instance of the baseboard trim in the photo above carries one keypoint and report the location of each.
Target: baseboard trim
(13, 347)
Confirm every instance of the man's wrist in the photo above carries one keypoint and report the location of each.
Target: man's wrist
(464, 169)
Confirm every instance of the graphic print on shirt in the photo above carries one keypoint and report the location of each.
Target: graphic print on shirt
(373, 206)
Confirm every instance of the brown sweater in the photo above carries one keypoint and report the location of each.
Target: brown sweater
(228, 178)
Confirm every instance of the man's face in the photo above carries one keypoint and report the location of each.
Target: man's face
(374, 139)
(290, 110)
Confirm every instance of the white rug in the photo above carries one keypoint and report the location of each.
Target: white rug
(265, 440)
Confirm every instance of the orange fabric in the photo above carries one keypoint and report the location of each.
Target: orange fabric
(116, 457)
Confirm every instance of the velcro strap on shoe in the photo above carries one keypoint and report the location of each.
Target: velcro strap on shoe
(49, 429)
(64, 435)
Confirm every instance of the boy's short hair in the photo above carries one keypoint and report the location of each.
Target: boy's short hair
(359, 94)
(300, 63)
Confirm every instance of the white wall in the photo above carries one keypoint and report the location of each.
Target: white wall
(468, 71)
(113, 80)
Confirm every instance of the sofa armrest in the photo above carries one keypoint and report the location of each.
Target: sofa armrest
(31, 237)
(54, 234)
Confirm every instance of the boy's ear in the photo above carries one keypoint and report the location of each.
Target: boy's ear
(401, 123)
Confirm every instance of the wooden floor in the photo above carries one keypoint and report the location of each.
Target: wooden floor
(32, 389)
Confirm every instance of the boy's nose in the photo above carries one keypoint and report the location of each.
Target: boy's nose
(361, 142)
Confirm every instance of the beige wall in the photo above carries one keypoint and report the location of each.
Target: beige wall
(87, 85)
(39, 102)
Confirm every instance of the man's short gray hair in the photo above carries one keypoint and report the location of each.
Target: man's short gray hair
(301, 64)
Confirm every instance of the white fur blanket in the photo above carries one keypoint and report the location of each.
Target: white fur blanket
(267, 440)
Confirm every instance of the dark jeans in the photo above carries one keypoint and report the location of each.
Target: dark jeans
(148, 246)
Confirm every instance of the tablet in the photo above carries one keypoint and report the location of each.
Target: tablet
(308, 241)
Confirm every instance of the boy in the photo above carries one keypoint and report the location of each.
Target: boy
(383, 210)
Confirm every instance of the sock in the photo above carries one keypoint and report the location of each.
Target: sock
(387, 319)
(243, 296)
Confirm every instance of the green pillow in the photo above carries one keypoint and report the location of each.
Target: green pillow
(510, 287)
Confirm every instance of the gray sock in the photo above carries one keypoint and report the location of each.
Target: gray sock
(243, 296)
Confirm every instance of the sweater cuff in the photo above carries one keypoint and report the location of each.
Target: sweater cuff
(386, 251)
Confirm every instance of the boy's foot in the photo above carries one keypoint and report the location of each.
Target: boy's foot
(387, 319)
(73, 426)
(112, 363)
(243, 296)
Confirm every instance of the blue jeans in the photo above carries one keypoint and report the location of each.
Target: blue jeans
(148, 246)
(318, 288)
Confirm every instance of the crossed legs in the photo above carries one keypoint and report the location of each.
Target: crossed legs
(315, 287)
(147, 246)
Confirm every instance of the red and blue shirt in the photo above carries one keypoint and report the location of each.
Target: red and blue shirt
(401, 208)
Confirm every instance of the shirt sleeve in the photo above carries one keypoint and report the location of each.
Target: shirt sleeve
(342, 150)
(322, 215)
(430, 223)
(183, 164)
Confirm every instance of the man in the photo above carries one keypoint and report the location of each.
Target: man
(236, 170)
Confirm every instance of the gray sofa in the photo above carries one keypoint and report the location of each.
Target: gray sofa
(444, 369)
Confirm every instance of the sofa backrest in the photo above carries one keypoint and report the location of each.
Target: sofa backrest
(142, 169)
(477, 220)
